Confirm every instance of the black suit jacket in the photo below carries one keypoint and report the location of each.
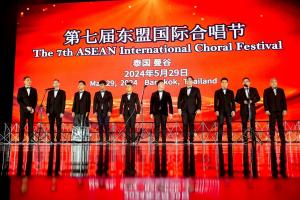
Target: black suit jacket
(56, 105)
(274, 103)
(24, 100)
(158, 106)
(82, 106)
(106, 102)
(241, 97)
(129, 106)
(191, 103)
(224, 103)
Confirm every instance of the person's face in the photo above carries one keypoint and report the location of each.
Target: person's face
(129, 88)
(273, 83)
(81, 86)
(161, 86)
(102, 86)
(56, 84)
(27, 82)
(246, 82)
(189, 82)
(224, 84)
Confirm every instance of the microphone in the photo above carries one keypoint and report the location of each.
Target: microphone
(51, 88)
(145, 86)
(246, 86)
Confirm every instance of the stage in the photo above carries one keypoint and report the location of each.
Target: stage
(150, 171)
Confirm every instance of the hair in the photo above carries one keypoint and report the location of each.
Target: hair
(81, 81)
(159, 81)
(55, 80)
(224, 79)
(129, 83)
(246, 78)
(26, 77)
(102, 82)
(273, 78)
(190, 77)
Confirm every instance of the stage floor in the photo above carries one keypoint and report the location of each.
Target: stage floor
(149, 171)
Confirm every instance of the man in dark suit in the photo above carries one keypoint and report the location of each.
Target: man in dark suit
(276, 107)
(103, 104)
(224, 107)
(81, 106)
(56, 102)
(189, 104)
(160, 107)
(247, 97)
(130, 108)
(27, 99)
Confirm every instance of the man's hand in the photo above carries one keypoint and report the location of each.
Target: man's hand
(109, 114)
(245, 102)
(137, 115)
(48, 114)
(151, 116)
(284, 112)
(217, 113)
(170, 116)
(179, 111)
(232, 114)
(73, 114)
(32, 111)
(198, 111)
(28, 108)
(268, 112)
(61, 115)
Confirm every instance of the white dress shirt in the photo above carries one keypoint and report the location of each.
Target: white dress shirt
(80, 94)
(275, 91)
(188, 91)
(55, 93)
(160, 94)
(247, 92)
(28, 90)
